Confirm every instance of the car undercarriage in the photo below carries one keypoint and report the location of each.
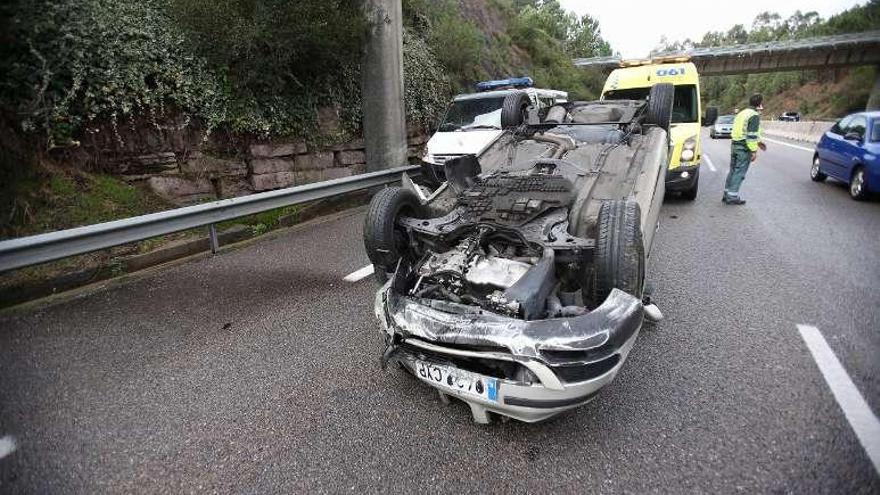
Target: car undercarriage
(517, 285)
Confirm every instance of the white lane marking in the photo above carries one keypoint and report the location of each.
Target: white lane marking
(709, 163)
(7, 446)
(811, 150)
(359, 274)
(860, 417)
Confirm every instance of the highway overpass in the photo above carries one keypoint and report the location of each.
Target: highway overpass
(824, 52)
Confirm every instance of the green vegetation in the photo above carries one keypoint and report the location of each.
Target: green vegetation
(70, 63)
(528, 37)
(245, 67)
(53, 198)
(816, 94)
(261, 67)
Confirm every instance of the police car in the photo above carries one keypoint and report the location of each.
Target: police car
(473, 121)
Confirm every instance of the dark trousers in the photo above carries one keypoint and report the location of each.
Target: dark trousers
(740, 158)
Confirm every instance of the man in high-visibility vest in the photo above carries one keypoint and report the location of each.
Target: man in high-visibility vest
(745, 141)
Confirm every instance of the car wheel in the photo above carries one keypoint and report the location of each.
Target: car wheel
(513, 109)
(858, 187)
(384, 241)
(619, 258)
(660, 105)
(712, 134)
(691, 194)
(815, 173)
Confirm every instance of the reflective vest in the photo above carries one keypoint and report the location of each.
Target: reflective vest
(740, 130)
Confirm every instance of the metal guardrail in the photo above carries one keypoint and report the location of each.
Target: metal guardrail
(25, 251)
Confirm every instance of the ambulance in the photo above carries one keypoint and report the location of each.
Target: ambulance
(633, 81)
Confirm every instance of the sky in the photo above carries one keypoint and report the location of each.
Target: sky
(634, 28)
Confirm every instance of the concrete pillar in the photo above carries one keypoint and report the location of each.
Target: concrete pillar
(874, 98)
(382, 86)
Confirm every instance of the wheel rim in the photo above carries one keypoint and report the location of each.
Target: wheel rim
(858, 183)
(814, 171)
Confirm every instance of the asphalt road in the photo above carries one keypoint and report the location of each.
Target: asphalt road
(257, 370)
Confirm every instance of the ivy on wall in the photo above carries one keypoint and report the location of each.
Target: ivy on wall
(71, 64)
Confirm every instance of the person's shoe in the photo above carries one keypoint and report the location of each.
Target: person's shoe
(734, 201)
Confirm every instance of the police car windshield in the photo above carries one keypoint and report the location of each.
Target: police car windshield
(684, 103)
(476, 113)
(725, 119)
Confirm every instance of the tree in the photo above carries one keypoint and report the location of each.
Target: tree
(584, 39)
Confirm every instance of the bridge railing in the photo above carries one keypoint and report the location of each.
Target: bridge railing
(25, 251)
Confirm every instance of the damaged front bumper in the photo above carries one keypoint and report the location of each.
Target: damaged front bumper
(526, 370)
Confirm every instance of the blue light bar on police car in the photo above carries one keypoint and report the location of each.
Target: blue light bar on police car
(516, 82)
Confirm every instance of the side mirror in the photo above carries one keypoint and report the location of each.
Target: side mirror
(852, 136)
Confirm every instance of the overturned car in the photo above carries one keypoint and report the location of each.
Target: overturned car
(517, 285)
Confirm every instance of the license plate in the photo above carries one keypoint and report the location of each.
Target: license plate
(456, 381)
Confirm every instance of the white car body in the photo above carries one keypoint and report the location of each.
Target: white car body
(444, 145)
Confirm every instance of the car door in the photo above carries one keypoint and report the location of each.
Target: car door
(830, 153)
(852, 149)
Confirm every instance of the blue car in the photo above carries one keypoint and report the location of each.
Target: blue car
(850, 152)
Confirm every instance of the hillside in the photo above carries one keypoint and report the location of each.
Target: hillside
(842, 92)
(817, 94)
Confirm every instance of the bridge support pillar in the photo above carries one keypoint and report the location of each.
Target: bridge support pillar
(874, 99)
(382, 86)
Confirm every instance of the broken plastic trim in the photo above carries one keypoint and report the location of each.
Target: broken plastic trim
(602, 331)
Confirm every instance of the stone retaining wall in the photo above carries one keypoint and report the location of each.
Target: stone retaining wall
(183, 163)
(194, 176)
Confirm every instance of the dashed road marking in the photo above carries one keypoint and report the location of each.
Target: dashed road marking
(359, 274)
(709, 163)
(7, 446)
(811, 150)
(860, 417)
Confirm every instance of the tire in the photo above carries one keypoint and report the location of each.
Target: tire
(712, 134)
(660, 105)
(815, 174)
(383, 241)
(858, 186)
(619, 257)
(513, 109)
(691, 194)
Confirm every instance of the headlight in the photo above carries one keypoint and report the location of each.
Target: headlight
(687, 150)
